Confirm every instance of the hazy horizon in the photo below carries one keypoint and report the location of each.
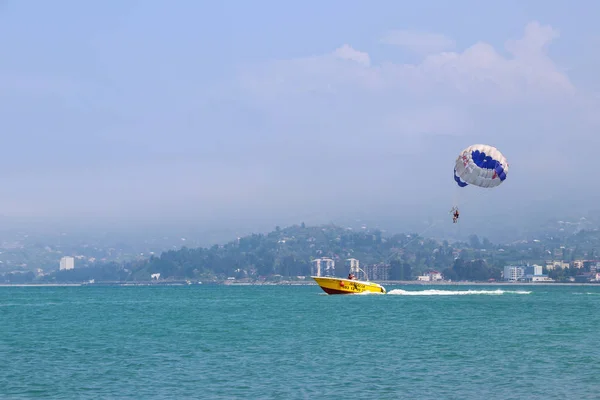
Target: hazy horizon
(135, 114)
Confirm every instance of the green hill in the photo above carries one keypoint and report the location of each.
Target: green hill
(288, 253)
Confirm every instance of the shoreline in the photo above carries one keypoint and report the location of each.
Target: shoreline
(299, 283)
(416, 283)
(38, 284)
(419, 283)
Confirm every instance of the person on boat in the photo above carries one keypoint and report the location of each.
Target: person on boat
(455, 216)
(350, 276)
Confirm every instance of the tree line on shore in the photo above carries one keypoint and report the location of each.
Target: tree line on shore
(288, 253)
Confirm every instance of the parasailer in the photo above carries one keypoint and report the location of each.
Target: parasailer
(455, 214)
(479, 165)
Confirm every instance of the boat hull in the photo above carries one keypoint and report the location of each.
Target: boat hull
(347, 286)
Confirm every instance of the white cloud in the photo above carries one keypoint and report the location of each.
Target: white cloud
(479, 76)
(348, 53)
(342, 106)
(534, 42)
(478, 71)
(419, 42)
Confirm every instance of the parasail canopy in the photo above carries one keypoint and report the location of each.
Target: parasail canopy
(480, 165)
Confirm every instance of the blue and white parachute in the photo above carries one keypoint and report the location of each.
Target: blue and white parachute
(480, 165)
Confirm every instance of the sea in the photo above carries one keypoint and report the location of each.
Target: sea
(296, 342)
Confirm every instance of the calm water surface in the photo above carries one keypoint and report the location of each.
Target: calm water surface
(276, 342)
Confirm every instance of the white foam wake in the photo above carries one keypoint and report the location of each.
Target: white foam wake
(367, 293)
(435, 292)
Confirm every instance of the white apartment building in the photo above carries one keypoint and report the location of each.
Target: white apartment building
(378, 272)
(67, 263)
(323, 267)
(352, 265)
(533, 269)
(513, 273)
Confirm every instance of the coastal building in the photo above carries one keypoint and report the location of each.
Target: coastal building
(586, 265)
(534, 273)
(315, 267)
(588, 277)
(323, 267)
(67, 263)
(533, 269)
(551, 265)
(430, 276)
(353, 266)
(378, 272)
(537, 278)
(329, 266)
(513, 273)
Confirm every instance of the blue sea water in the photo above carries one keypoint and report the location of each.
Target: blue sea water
(295, 342)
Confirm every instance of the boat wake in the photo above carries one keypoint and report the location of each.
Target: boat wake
(366, 293)
(435, 292)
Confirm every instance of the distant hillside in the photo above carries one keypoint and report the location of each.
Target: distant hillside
(288, 253)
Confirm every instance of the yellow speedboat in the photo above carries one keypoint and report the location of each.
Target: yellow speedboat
(331, 285)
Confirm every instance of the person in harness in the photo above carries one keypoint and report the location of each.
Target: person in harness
(455, 216)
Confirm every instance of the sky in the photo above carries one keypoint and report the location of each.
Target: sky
(263, 113)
